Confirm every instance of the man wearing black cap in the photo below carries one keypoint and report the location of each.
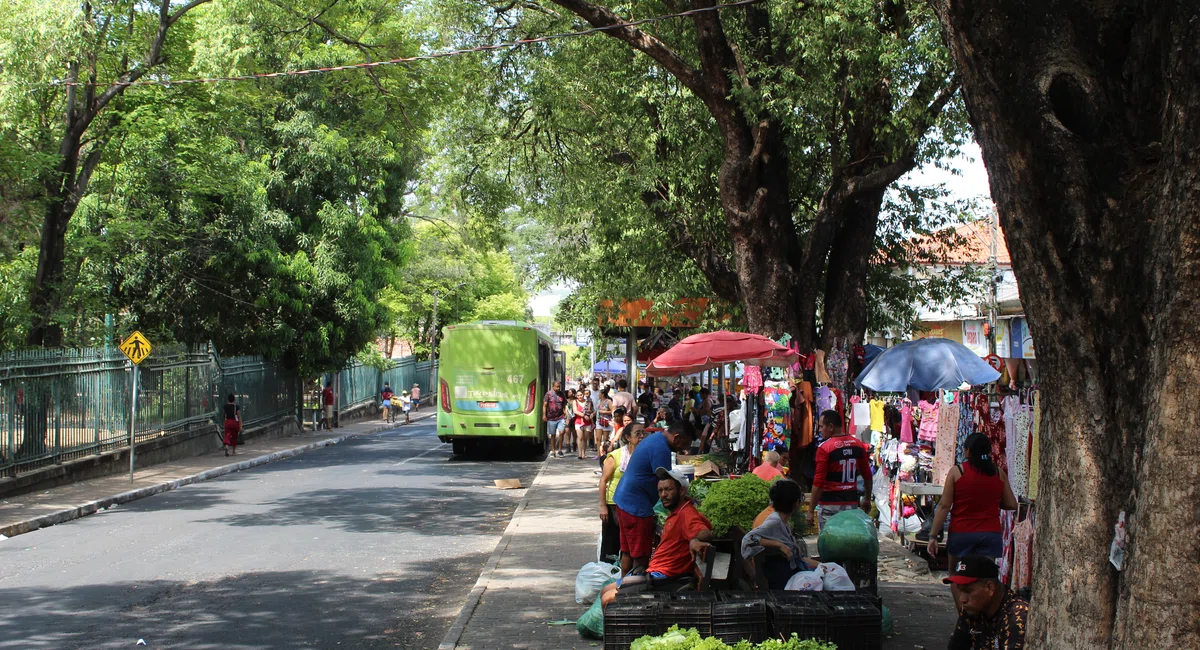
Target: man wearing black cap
(990, 616)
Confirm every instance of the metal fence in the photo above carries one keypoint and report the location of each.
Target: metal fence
(360, 384)
(63, 404)
(60, 405)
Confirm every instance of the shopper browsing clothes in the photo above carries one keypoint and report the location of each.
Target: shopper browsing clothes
(990, 616)
(973, 496)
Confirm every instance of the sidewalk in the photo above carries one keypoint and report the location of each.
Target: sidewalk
(28, 512)
(530, 580)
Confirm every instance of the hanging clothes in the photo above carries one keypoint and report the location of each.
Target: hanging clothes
(947, 438)
(991, 421)
(825, 400)
(752, 379)
(966, 426)
(906, 421)
(1006, 531)
(821, 369)
(802, 415)
(1018, 451)
(838, 364)
(877, 419)
(1022, 545)
(1035, 450)
(929, 420)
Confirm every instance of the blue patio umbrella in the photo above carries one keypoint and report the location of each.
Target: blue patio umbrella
(871, 351)
(610, 366)
(925, 364)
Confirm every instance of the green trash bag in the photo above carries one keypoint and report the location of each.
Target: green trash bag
(591, 624)
(889, 626)
(849, 536)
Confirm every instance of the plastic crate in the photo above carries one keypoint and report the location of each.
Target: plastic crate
(631, 617)
(739, 616)
(692, 609)
(865, 575)
(855, 623)
(803, 613)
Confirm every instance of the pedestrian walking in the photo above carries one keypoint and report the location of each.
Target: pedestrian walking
(416, 398)
(569, 432)
(233, 426)
(624, 399)
(552, 415)
(386, 397)
(604, 412)
(584, 418)
(327, 400)
(406, 406)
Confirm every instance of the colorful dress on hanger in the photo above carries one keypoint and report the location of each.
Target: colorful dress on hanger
(838, 365)
(966, 426)
(947, 438)
(906, 422)
(877, 415)
(929, 420)
(1022, 544)
(1035, 450)
(991, 422)
(752, 379)
(825, 400)
(1018, 451)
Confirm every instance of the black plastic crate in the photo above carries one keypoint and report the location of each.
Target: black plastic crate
(855, 623)
(691, 609)
(741, 616)
(631, 617)
(803, 613)
(865, 575)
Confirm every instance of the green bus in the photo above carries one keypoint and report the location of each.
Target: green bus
(492, 376)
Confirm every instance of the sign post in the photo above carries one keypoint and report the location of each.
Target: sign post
(136, 348)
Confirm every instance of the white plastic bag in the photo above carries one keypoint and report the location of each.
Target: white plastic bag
(834, 577)
(805, 581)
(591, 579)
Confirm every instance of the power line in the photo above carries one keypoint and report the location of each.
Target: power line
(423, 57)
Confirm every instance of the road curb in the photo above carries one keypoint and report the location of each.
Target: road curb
(92, 507)
(454, 634)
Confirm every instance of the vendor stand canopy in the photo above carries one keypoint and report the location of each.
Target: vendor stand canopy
(701, 352)
(610, 366)
(925, 364)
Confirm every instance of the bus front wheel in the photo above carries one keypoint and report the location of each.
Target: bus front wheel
(460, 447)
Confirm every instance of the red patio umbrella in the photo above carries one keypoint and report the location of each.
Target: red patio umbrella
(701, 352)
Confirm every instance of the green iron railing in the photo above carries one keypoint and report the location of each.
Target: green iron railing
(63, 404)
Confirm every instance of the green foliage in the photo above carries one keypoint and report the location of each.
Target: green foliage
(468, 283)
(610, 167)
(691, 639)
(735, 503)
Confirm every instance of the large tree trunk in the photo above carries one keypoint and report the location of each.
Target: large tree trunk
(846, 277)
(1088, 115)
(44, 301)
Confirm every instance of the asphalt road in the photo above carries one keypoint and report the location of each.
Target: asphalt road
(371, 543)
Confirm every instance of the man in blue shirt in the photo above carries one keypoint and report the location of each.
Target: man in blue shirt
(638, 492)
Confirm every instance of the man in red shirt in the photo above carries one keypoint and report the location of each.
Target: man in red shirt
(841, 459)
(685, 534)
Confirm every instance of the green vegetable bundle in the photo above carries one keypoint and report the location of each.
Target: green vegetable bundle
(690, 639)
(735, 503)
(699, 490)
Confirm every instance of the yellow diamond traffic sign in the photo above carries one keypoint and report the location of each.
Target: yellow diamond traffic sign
(136, 347)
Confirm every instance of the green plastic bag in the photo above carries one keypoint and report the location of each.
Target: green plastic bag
(849, 536)
(591, 624)
(889, 626)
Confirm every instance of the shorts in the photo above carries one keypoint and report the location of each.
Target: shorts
(554, 427)
(824, 512)
(637, 533)
(387, 403)
(407, 407)
(985, 544)
(329, 411)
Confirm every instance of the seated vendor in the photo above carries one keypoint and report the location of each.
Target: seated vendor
(784, 554)
(685, 533)
(990, 615)
(769, 470)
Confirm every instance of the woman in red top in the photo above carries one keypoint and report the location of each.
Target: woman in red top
(973, 496)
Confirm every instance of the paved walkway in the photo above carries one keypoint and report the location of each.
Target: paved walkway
(23, 513)
(532, 584)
